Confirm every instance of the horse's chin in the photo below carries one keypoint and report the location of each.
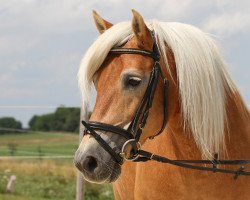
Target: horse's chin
(108, 175)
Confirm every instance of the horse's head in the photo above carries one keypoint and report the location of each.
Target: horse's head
(121, 82)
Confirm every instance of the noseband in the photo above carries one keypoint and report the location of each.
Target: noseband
(134, 131)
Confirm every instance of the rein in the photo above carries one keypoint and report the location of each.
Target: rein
(134, 131)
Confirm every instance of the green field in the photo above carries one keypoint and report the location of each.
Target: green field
(39, 143)
(40, 178)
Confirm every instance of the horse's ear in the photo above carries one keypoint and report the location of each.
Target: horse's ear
(141, 31)
(101, 24)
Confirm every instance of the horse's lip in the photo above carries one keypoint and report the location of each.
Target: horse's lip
(111, 178)
(96, 179)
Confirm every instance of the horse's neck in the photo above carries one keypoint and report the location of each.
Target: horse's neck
(181, 143)
(175, 143)
(238, 128)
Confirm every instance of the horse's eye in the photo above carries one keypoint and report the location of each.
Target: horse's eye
(133, 81)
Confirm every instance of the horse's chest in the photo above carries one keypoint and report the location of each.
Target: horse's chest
(154, 181)
(160, 182)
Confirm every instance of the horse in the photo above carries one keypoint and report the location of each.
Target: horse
(205, 112)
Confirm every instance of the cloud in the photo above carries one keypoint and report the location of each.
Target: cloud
(24, 23)
(228, 23)
(4, 78)
(49, 14)
(230, 17)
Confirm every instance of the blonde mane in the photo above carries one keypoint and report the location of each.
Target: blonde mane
(202, 77)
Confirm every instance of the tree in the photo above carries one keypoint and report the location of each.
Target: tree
(63, 119)
(41, 123)
(9, 123)
(72, 120)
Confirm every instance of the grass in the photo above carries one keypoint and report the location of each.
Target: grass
(42, 179)
(35, 143)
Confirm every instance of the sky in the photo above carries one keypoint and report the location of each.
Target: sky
(43, 41)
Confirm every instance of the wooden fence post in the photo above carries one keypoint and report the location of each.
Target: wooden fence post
(10, 184)
(79, 179)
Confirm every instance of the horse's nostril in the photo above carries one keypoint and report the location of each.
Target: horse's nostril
(90, 163)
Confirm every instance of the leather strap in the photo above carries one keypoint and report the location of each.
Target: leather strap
(165, 107)
(146, 156)
(103, 143)
(152, 54)
(110, 128)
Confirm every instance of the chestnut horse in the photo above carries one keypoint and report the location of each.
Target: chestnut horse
(206, 113)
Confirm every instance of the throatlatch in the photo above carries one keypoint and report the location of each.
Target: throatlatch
(134, 131)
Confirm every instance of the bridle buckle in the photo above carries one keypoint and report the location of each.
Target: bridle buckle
(136, 146)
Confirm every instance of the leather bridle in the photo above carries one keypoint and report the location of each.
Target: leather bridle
(134, 131)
